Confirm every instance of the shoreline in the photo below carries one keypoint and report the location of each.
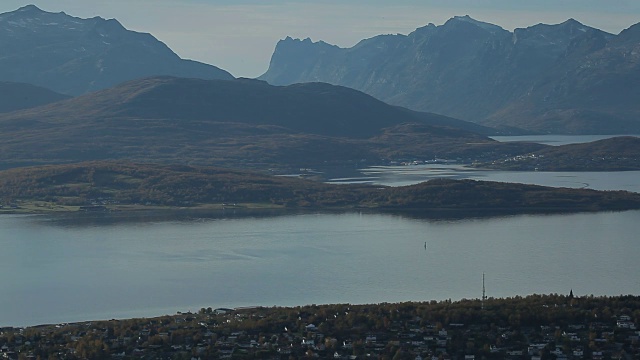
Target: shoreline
(256, 208)
(38, 207)
(248, 308)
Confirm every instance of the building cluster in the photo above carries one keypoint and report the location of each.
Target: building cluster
(272, 333)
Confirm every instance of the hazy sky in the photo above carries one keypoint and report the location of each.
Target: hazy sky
(239, 36)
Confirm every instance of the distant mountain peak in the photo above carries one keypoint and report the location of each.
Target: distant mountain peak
(631, 33)
(109, 25)
(84, 55)
(306, 41)
(29, 8)
(572, 21)
(481, 24)
(33, 15)
(30, 12)
(564, 77)
(294, 43)
(575, 25)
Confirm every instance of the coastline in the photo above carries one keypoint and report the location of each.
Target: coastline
(41, 208)
(37, 207)
(474, 328)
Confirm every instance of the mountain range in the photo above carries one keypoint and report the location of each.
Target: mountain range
(566, 78)
(75, 56)
(250, 123)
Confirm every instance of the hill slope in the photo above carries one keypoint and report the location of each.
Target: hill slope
(231, 122)
(316, 108)
(592, 88)
(18, 96)
(564, 78)
(614, 154)
(75, 56)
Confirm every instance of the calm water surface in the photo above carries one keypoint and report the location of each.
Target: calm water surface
(407, 175)
(72, 269)
(555, 140)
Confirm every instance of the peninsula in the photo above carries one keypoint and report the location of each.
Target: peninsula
(103, 186)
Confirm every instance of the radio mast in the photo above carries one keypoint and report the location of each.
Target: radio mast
(484, 295)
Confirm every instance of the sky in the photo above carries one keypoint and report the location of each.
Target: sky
(240, 36)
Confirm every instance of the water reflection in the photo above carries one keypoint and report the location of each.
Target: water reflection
(185, 217)
(94, 219)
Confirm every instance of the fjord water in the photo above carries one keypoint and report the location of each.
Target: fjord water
(69, 268)
(556, 140)
(64, 268)
(407, 175)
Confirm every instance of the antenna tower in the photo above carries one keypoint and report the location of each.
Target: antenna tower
(484, 295)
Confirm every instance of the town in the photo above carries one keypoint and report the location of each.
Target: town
(533, 327)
